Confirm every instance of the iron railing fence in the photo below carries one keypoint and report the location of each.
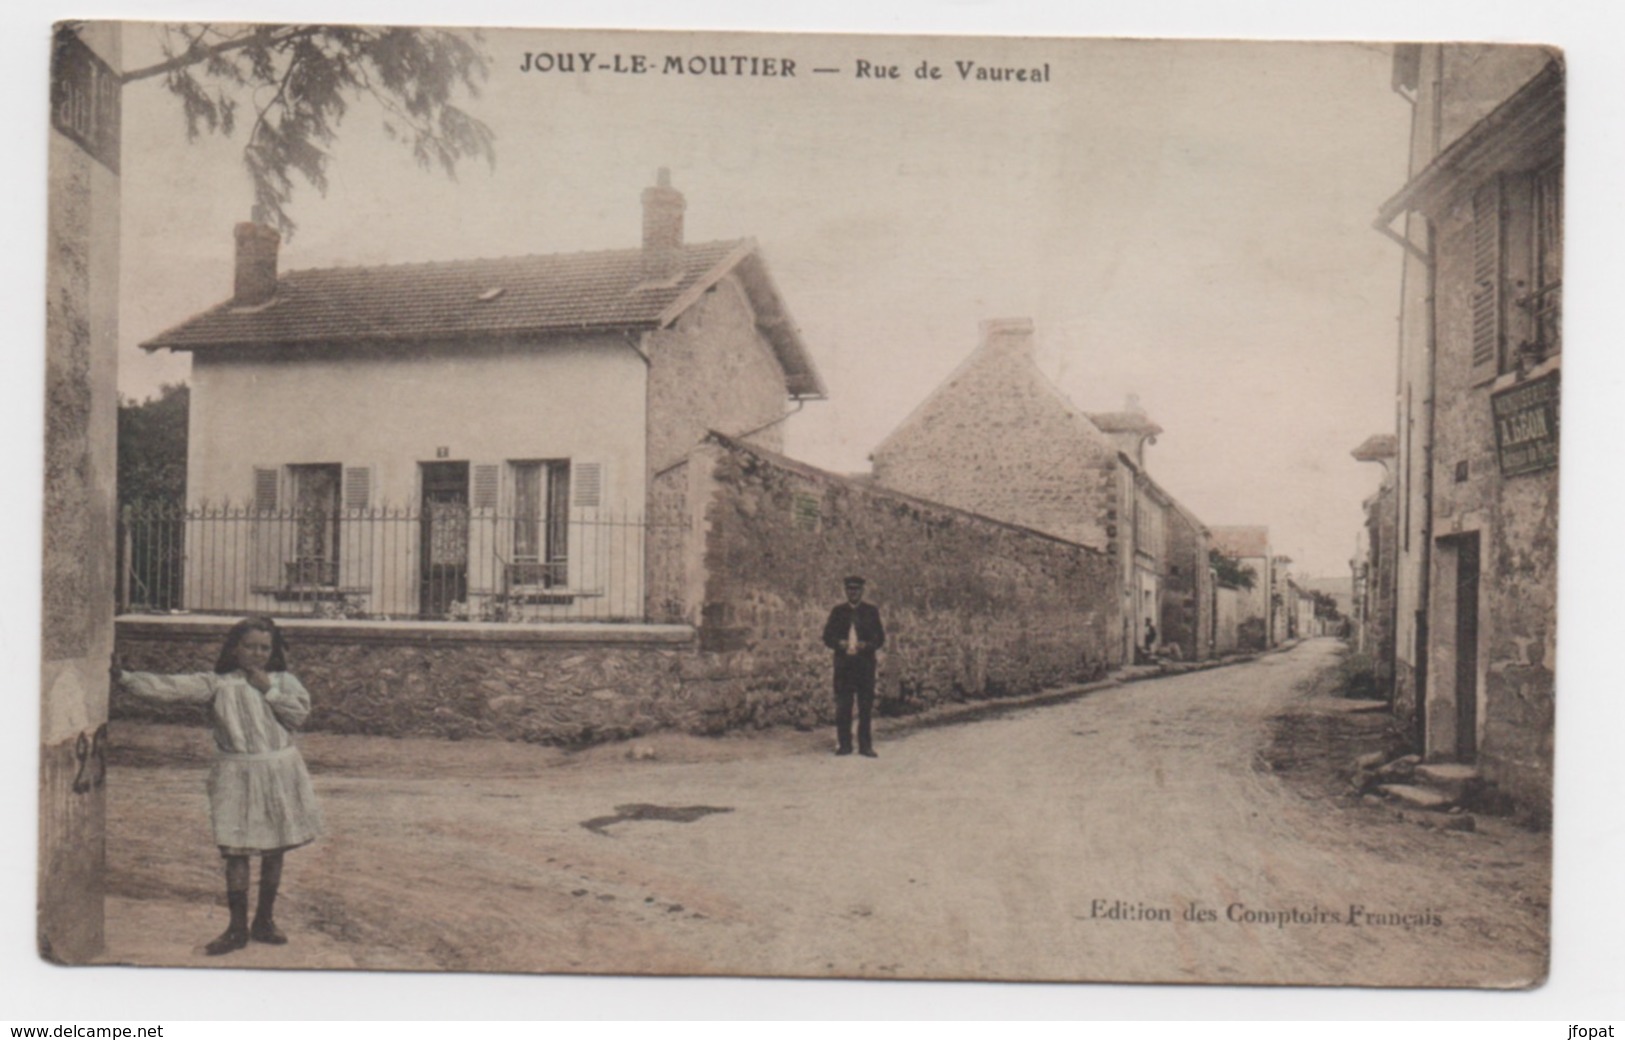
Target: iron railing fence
(449, 562)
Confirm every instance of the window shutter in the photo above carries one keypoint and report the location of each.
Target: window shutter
(358, 487)
(265, 488)
(1486, 298)
(589, 484)
(485, 486)
(1549, 257)
(269, 536)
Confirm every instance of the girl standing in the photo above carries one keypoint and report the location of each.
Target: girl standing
(260, 799)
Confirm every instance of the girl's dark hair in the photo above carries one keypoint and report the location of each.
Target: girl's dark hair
(227, 661)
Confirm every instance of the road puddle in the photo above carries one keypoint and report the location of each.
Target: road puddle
(645, 811)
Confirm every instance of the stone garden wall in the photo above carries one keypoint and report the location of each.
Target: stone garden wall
(747, 560)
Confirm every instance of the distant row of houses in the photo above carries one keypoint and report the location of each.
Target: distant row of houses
(479, 439)
(1456, 574)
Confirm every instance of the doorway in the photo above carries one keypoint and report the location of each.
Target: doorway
(1467, 649)
(443, 546)
(1457, 643)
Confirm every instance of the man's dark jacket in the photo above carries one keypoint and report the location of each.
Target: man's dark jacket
(870, 633)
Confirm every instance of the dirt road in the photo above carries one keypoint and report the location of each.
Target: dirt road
(1069, 842)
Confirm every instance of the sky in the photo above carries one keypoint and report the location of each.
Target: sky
(1187, 222)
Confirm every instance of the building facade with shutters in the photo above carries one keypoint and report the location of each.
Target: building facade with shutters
(1476, 475)
(468, 438)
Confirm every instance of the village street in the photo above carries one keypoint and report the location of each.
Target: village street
(1040, 844)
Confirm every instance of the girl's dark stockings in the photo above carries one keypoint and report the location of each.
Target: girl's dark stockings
(264, 928)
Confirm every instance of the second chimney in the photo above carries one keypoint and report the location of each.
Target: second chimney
(663, 208)
(1012, 337)
(256, 264)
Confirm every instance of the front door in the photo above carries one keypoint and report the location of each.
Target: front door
(443, 552)
(1467, 648)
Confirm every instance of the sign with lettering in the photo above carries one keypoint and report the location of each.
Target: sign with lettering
(85, 98)
(1526, 426)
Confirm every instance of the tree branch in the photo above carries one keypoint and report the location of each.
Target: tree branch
(194, 54)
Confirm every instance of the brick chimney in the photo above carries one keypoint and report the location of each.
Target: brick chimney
(256, 264)
(663, 208)
(1010, 337)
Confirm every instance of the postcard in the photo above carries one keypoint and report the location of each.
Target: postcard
(801, 505)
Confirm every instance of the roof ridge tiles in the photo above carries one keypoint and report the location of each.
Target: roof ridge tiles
(688, 247)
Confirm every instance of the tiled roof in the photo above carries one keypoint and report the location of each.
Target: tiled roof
(1241, 542)
(451, 299)
(510, 296)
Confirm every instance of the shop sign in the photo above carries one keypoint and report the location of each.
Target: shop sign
(1526, 425)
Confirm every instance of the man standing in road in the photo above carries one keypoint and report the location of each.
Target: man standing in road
(854, 633)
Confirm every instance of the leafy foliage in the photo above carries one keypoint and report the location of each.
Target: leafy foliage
(152, 447)
(296, 83)
(1232, 573)
(1325, 605)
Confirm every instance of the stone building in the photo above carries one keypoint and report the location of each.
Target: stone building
(512, 412)
(999, 439)
(1480, 222)
(1377, 564)
(1249, 546)
(1188, 586)
(81, 472)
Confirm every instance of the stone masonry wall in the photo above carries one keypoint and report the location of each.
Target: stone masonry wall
(80, 504)
(544, 684)
(1186, 597)
(712, 371)
(756, 551)
(667, 540)
(973, 608)
(1516, 521)
(1382, 528)
(998, 439)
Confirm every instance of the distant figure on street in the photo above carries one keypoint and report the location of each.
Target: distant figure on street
(854, 633)
(1150, 639)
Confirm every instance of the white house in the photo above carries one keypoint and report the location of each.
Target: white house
(472, 436)
(1249, 546)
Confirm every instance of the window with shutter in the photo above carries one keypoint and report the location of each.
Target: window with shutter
(267, 533)
(357, 487)
(589, 484)
(1486, 298)
(541, 523)
(1548, 267)
(558, 523)
(485, 486)
(265, 486)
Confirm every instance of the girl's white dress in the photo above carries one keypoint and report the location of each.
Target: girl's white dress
(260, 798)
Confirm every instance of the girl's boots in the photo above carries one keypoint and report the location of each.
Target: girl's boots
(264, 928)
(235, 937)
